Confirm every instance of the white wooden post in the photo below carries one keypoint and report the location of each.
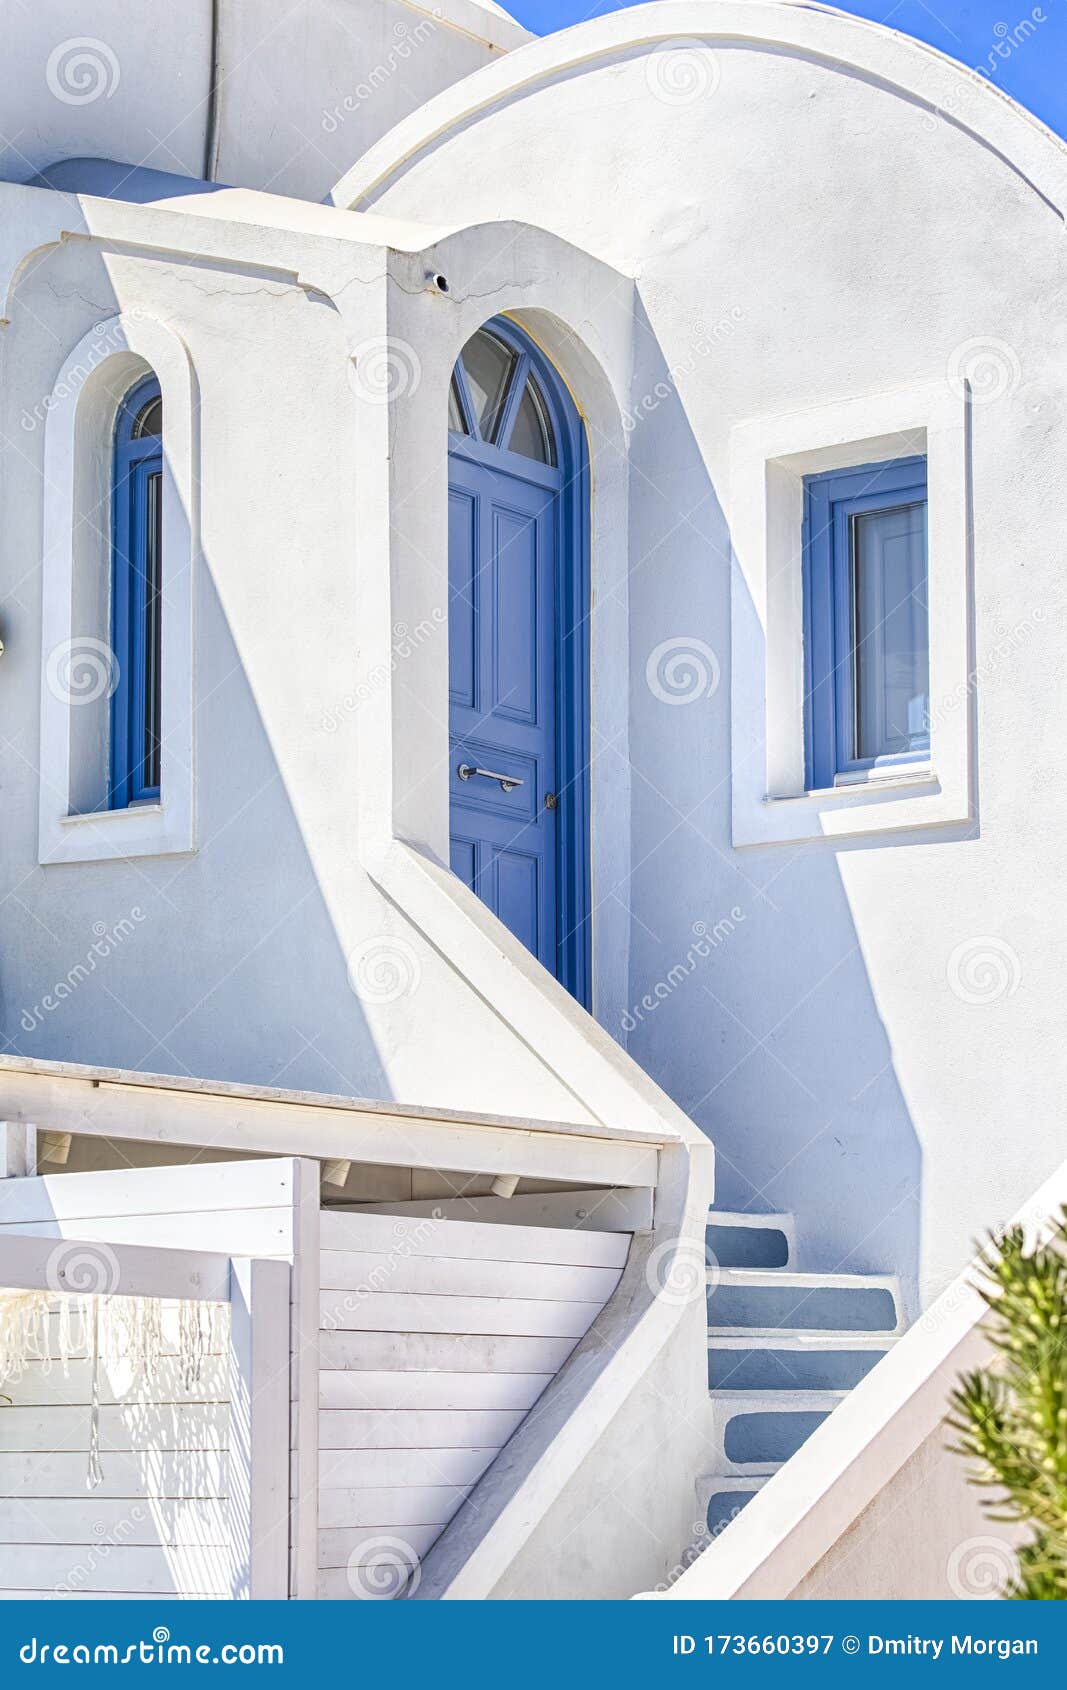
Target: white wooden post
(18, 1150)
(259, 1428)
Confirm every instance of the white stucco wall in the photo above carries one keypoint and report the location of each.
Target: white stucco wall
(302, 91)
(875, 1040)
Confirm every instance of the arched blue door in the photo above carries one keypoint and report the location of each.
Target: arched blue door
(518, 640)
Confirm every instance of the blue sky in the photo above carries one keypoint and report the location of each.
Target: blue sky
(1033, 72)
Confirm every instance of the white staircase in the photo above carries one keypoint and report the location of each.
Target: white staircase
(784, 1348)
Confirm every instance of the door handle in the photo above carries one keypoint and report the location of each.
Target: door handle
(508, 783)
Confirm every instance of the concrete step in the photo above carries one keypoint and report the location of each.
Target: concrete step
(739, 1239)
(777, 1297)
(769, 1359)
(724, 1495)
(756, 1431)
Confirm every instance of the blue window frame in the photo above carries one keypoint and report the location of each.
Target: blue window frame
(136, 597)
(866, 622)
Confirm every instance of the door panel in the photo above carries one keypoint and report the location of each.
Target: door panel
(503, 545)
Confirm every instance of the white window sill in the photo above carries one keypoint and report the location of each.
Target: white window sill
(140, 830)
(918, 777)
(83, 817)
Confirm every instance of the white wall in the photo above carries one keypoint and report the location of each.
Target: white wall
(302, 90)
(874, 1041)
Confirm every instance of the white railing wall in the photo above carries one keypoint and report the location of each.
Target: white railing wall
(244, 1451)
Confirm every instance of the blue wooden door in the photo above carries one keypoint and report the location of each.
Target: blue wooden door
(506, 730)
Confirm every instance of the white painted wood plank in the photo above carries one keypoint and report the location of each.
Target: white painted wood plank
(107, 1568)
(18, 1150)
(259, 1428)
(414, 1428)
(598, 1210)
(251, 1232)
(169, 1336)
(193, 1189)
(442, 1352)
(36, 1388)
(28, 1595)
(344, 1270)
(337, 1548)
(367, 1390)
(395, 1235)
(162, 1474)
(345, 1586)
(90, 1519)
(31, 1263)
(186, 1427)
(350, 1469)
(381, 1509)
(511, 1316)
(304, 1372)
(131, 1107)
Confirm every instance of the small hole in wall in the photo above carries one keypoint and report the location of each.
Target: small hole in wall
(439, 282)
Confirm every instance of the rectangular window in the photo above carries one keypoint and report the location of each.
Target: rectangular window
(866, 646)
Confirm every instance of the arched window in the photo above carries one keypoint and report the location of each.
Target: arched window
(495, 398)
(136, 597)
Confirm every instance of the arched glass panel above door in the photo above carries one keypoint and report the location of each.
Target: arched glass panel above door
(495, 398)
